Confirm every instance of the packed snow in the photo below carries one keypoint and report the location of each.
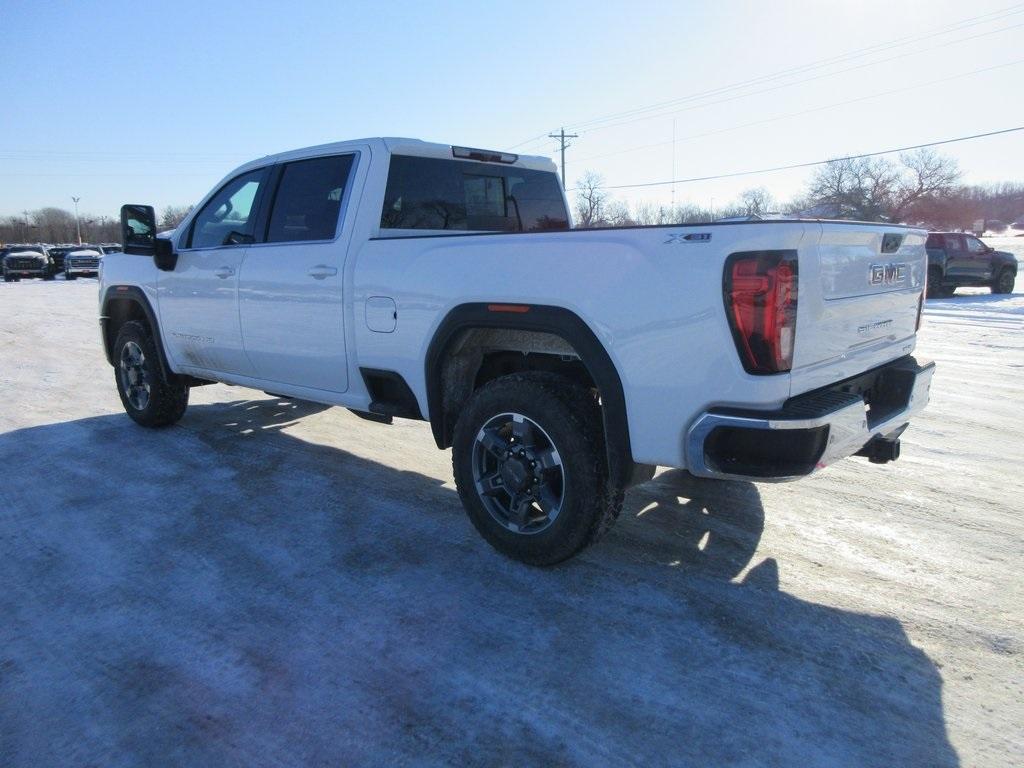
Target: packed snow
(279, 583)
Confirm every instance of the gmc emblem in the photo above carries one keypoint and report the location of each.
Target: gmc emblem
(887, 274)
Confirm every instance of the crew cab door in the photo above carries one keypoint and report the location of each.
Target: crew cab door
(199, 298)
(979, 259)
(291, 297)
(958, 260)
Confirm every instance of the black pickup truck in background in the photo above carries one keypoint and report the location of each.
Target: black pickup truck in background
(27, 261)
(956, 259)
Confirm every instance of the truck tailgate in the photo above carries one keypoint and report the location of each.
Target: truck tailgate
(860, 294)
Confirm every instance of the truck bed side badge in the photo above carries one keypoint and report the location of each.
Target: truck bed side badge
(693, 237)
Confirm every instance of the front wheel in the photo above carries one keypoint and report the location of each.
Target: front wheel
(529, 461)
(68, 276)
(146, 396)
(1004, 282)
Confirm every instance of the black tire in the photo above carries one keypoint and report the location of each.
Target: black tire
(570, 419)
(934, 283)
(8, 279)
(68, 276)
(1004, 281)
(49, 276)
(164, 403)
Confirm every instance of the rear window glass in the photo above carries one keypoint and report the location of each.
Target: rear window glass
(432, 193)
(308, 199)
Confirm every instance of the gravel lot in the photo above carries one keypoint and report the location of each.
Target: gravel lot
(275, 583)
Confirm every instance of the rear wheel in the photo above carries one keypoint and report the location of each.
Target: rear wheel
(146, 397)
(1004, 281)
(529, 462)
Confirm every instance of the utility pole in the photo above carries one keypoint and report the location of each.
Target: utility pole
(78, 227)
(673, 163)
(562, 136)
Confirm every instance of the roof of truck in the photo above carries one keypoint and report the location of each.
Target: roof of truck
(395, 145)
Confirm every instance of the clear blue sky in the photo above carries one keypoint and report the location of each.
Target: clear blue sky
(140, 102)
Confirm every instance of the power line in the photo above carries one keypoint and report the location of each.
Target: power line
(800, 82)
(813, 163)
(857, 53)
(802, 112)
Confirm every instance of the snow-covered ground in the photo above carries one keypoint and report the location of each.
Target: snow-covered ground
(275, 583)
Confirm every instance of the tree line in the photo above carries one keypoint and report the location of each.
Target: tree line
(57, 225)
(921, 188)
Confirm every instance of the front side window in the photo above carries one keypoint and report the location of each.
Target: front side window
(229, 217)
(974, 245)
(308, 199)
(433, 193)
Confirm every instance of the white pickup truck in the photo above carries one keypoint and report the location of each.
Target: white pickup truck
(404, 279)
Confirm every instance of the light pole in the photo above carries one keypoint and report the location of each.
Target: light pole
(78, 227)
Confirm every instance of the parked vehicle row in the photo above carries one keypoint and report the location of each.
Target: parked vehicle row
(38, 260)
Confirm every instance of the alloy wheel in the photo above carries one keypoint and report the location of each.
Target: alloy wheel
(134, 377)
(518, 473)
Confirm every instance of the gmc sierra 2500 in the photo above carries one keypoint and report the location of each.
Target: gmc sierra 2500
(404, 279)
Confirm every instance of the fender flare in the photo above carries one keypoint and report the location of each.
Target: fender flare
(135, 295)
(547, 319)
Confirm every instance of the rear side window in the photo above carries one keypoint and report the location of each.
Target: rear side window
(934, 241)
(308, 199)
(433, 193)
(952, 242)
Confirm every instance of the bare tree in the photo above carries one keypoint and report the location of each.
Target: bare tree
(756, 201)
(591, 200)
(875, 189)
(617, 214)
(173, 215)
(929, 175)
(54, 225)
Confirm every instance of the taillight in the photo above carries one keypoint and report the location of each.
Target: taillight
(760, 301)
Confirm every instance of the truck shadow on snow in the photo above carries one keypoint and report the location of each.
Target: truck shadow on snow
(227, 592)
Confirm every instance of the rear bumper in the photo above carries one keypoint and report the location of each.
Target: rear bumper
(811, 430)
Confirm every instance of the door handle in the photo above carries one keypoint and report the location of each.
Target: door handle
(224, 272)
(321, 271)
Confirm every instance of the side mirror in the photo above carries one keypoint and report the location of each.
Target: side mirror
(138, 229)
(138, 232)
